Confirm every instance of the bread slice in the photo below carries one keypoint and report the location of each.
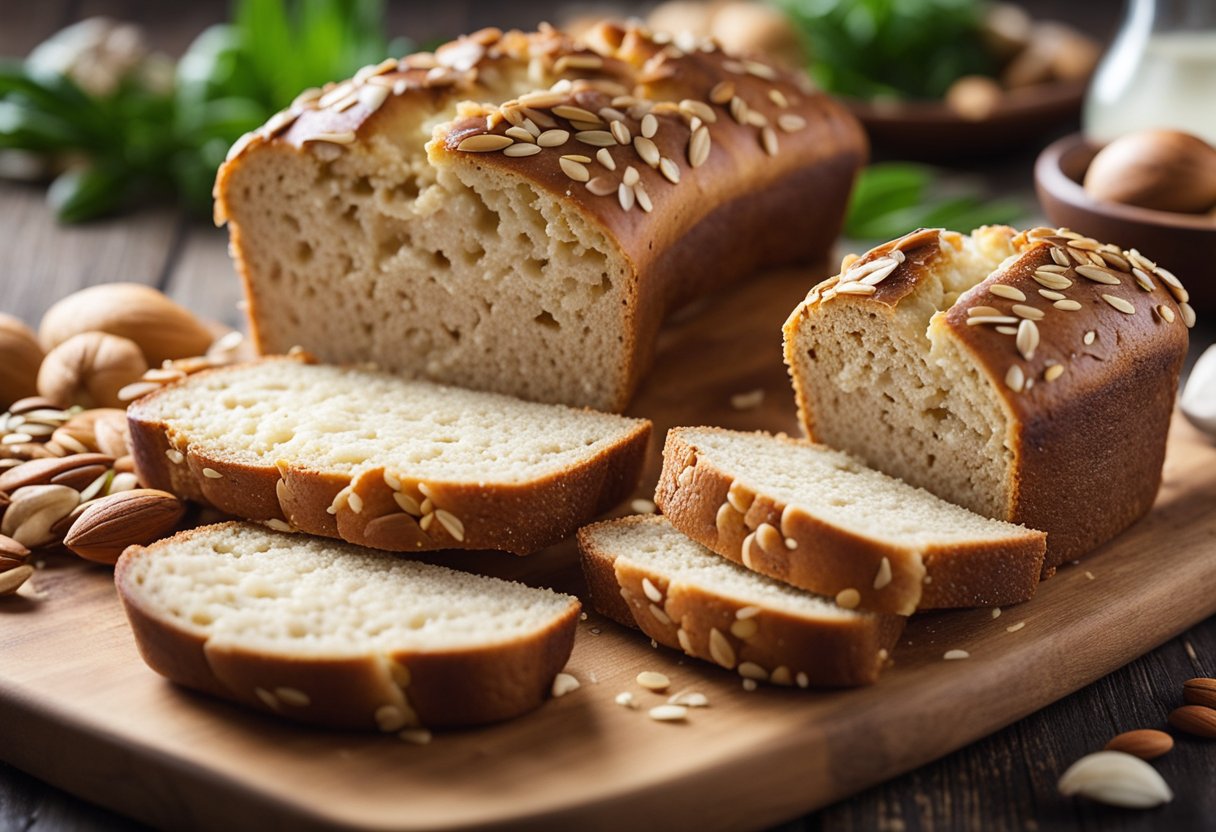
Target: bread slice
(1028, 376)
(644, 573)
(390, 218)
(337, 635)
(381, 461)
(820, 520)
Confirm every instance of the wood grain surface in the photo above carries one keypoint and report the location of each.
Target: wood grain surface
(70, 676)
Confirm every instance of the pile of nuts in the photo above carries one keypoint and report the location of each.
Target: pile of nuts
(67, 478)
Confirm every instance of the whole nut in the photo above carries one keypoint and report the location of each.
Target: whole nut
(82, 427)
(1165, 170)
(1144, 743)
(13, 568)
(34, 509)
(1199, 691)
(20, 357)
(111, 524)
(12, 579)
(162, 329)
(45, 471)
(89, 369)
(1194, 719)
(12, 551)
(1117, 779)
(22, 451)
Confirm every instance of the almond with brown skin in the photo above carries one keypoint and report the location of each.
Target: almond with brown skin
(1144, 743)
(11, 550)
(1199, 691)
(20, 357)
(43, 471)
(113, 523)
(1195, 719)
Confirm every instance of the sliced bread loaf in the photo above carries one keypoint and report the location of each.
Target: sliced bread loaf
(643, 573)
(1026, 376)
(820, 520)
(384, 462)
(338, 635)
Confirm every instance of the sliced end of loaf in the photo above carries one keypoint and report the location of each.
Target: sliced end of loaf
(337, 635)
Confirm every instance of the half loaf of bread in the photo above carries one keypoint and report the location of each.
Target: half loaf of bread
(338, 635)
(1027, 376)
(381, 461)
(517, 212)
(820, 520)
(643, 573)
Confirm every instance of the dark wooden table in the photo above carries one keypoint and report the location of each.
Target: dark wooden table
(1005, 782)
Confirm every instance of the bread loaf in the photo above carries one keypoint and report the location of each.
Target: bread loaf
(819, 519)
(341, 636)
(643, 573)
(517, 212)
(381, 461)
(1028, 377)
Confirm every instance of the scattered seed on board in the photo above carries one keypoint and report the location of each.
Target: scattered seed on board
(653, 680)
(626, 700)
(749, 400)
(564, 683)
(669, 713)
(953, 655)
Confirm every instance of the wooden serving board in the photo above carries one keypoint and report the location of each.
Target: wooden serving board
(80, 709)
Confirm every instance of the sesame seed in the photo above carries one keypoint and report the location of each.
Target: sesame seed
(996, 612)
(1188, 314)
(1143, 280)
(407, 503)
(1086, 244)
(611, 114)
(631, 176)
(791, 123)
(566, 62)
(738, 110)
(954, 655)
(553, 138)
(1027, 339)
(450, 522)
(768, 138)
(986, 311)
(653, 680)
(720, 649)
(760, 70)
(564, 683)
(1053, 372)
(1067, 305)
(883, 578)
(604, 157)
(699, 109)
(670, 170)
(749, 685)
(1089, 337)
(212, 474)
(689, 699)
(1015, 379)
(647, 149)
(698, 147)
(652, 592)
(268, 698)
(620, 132)
(292, 696)
(575, 170)
(1120, 303)
(660, 615)
(596, 138)
(745, 550)
(625, 700)
(521, 149)
(751, 670)
(802, 680)
(991, 319)
(744, 629)
(778, 97)
(175, 456)
(417, 736)
(1166, 313)
(1060, 257)
(668, 713)
(601, 186)
(572, 113)
(624, 195)
(649, 126)
(1013, 628)
(749, 400)
(848, 598)
(685, 643)
(484, 143)
(722, 92)
(1029, 312)
(1051, 295)
(1099, 274)
(1007, 292)
(355, 502)
(389, 718)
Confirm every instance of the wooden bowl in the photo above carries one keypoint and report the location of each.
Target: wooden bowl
(932, 132)
(1183, 243)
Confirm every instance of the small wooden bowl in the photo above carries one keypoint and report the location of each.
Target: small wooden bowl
(932, 132)
(1183, 243)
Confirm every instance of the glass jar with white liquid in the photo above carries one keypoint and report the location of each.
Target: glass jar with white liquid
(1159, 72)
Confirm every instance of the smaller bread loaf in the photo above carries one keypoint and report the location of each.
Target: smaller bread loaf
(341, 636)
(384, 462)
(820, 520)
(643, 573)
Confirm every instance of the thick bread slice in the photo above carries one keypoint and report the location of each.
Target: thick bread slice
(381, 461)
(643, 573)
(390, 218)
(338, 635)
(820, 520)
(1028, 376)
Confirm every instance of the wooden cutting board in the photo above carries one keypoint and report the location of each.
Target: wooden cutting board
(80, 709)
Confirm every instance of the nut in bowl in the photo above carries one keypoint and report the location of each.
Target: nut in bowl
(1187, 240)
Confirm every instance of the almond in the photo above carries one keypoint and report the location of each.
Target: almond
(1194, 719)
(12, 550)
(34, 510)
(111, 524)
(162, 329)
(1199, 691)
(113, 433)
(20, 357)
(1117, 779)
(44, 471)
(89, 369)
(1145, 743)
(12, 579)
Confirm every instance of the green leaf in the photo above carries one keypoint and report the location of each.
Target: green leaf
(90, 192)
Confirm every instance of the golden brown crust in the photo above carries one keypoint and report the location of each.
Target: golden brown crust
(790, 650)
(444, 688)
(780, 152)
(518, 518)
(1087, 421)
(756, 530)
